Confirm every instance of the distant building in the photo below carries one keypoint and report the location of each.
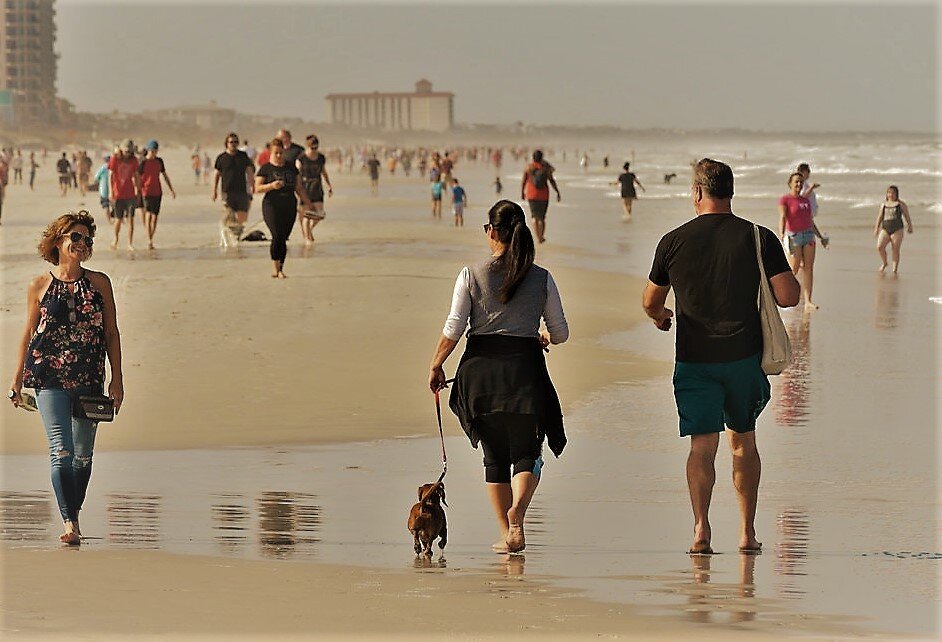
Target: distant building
(28, 61)
(422, 110)
(210, 116)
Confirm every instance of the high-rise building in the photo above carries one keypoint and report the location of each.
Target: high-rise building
(28, 61)
(423, 109)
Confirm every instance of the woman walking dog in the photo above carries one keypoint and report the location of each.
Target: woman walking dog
(70, 328)
(503, 395)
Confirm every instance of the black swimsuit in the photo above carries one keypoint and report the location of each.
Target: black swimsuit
(893, 223)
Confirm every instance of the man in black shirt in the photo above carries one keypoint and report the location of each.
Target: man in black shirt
(233, 166)
(292, 150)
(710, 262)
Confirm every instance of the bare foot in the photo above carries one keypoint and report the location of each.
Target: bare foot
(71, 535)
(811, 306)
(701, 541)
(882, 268)
(499, 547)
(114, 246)
(150, 246)
(751, 546)
(516, 540)
(282, 275)
(130, 248)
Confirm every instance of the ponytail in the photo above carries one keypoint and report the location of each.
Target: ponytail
(509, 221)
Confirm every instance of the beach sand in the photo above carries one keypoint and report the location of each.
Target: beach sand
(286, 411)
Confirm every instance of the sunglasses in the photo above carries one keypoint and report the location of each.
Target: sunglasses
(232, 142)
(75, 237)
(487, 227)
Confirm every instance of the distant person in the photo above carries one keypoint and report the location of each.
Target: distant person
(84, 171)
(16, 163)
(263, 155)
(125, 190)
(73, 174)
(33, 166)
(103, 177)
(250, 151)
(312, 166)
(71, 328)
(151, 170)
(503, 395)
(4, 178)
(447, 166)
(498, 186)
(234, 169)
(197, 164)
(292, 150)
(627, 180)
(64, 169)
(373, 166)
(535, 188)
(584, 162)
(605, 161)
(459, 200)
(889, 227)
(207, 167)
(710, 262)
(437, 189)
(796, 222)
(278, 181)
(808, 188)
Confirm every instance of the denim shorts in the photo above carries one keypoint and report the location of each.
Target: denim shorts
(799, 239)
(710, 396)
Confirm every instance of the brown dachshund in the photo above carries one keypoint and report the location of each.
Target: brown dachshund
(427, 518)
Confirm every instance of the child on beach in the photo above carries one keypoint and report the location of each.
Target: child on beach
(459, 200)
(437, 187)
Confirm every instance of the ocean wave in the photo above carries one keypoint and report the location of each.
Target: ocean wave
(877, 171)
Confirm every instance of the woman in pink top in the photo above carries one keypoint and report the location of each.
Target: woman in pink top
(795, 220)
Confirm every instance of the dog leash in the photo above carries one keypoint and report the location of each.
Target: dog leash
(441, 435)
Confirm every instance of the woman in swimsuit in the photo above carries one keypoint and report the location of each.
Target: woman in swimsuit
(889, 226)
(71, 327)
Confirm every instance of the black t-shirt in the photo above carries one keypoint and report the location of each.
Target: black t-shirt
(287, 173)
(63, 166)
(232, 171)
(373, 166)
(711, 264)
(311, 169)
(292, 153)
(627, 180)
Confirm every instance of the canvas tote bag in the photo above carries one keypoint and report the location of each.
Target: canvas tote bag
(776, 348)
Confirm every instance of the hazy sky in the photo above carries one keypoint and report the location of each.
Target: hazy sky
(772, 66)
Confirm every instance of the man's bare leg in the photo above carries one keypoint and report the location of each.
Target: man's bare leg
(747, 468)
(701, 476)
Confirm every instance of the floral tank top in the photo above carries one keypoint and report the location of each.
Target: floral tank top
(68, 349)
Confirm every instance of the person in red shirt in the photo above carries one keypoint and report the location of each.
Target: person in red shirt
(125, 189)
(797, 221)
(150, 170)
(537, 179)
(264, 155)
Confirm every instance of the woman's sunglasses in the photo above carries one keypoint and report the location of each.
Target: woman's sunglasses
(487, 227)
(75, 237)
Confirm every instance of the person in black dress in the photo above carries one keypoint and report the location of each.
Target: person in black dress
(278, 181)
(312, 166)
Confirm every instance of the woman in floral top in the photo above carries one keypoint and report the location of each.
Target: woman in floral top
(70, 327)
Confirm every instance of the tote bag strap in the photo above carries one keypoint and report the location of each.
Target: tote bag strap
(762, 279)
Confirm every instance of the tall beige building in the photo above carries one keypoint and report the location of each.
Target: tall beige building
(423, 109)
(28, 61)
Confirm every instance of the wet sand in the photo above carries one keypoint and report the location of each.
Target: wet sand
(288, 464)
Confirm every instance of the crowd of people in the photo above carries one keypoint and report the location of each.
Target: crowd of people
(503, 395)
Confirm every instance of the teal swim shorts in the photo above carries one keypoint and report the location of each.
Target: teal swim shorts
(713, 395)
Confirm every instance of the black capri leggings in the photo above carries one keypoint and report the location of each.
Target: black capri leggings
(509, 441)
(279, 215)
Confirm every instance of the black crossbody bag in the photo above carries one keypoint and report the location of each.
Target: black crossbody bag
(93, 408)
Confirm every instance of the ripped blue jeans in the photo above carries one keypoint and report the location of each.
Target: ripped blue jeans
(71, 442)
